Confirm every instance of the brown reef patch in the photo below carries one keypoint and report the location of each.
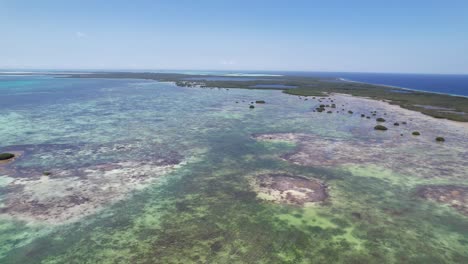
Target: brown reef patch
(290, 189)
(399, 156)
(68, 195)
(451, 195)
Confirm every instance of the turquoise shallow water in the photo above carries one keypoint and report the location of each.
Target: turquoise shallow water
(102, 137)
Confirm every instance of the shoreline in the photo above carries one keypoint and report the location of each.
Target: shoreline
(402, 88)
(205, 74)
(310, 86)
(47, 73)
(389, 106)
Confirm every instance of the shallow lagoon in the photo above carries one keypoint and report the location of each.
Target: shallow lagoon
(204, 209)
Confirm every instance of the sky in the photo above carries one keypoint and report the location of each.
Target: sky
(410, 36)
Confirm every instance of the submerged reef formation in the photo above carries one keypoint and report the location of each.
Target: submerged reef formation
(316, 151)
(289, 189)
(451, 195)
(66, 194)
(67, 197)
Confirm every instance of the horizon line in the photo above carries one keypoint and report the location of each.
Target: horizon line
(215, 70)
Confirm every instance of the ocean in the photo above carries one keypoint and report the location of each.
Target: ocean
(139, 171)
(455, 84)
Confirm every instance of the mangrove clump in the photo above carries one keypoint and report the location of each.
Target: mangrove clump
(6, 156)
(380, 127)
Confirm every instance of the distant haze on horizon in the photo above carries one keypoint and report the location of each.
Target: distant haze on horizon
(333, 36)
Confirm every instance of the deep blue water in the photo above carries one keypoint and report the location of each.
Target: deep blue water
(439, 83)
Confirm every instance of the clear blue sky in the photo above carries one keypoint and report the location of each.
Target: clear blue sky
(366, 36)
